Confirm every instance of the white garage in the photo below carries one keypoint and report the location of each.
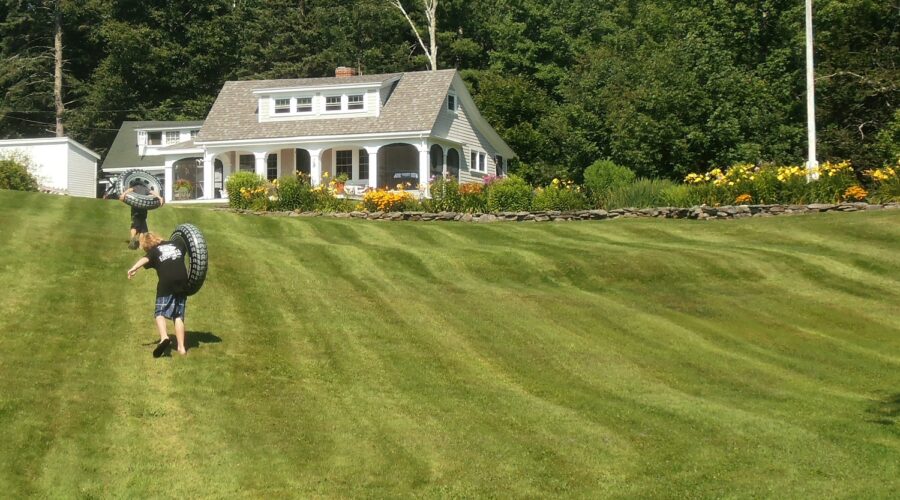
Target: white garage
(60, 164)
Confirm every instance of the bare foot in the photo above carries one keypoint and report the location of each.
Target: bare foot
(182, 351)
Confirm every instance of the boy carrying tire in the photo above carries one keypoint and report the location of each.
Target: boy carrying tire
(139, 215)
(168, 260)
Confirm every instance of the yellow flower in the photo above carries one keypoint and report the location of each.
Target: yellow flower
(325, 175)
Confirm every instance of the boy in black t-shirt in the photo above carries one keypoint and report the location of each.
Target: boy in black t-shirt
(139, 215)
(168, 260)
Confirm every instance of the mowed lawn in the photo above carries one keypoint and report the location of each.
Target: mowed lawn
(336, 358)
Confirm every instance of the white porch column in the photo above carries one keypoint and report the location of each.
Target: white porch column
(315, 166)
(260, 164)
(209, 188)
(168, 180)
(424, 169)
(373, 167)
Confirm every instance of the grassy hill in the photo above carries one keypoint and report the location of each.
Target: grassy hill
(350, 358)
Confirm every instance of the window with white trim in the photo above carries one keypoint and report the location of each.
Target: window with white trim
(154, 138)
(194, 133)
(451, 102)
(172, 136)
(282, 105)
(482, 162)
(363, 164)
(343, 163)
(247, 163)
(333, 103)
(272, 166)
(355, 101)
(304, 105)
(473, 161)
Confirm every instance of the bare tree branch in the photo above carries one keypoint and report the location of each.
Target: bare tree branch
(431, 17)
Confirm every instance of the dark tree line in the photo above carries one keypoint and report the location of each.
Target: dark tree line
(661, 86)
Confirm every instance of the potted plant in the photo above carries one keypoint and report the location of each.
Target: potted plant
(339, 182)
(183, 189)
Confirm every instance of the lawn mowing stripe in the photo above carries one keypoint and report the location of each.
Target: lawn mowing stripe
(630, 357)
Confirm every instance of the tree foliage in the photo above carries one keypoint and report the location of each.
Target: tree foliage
(662, 87)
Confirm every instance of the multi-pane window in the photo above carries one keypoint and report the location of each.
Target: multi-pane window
(272, 166)
(363, 164)
(451, 102)
(247, 163)
(172, 136)
(343, 163)
(355, 101)
(194, 133)
(304, 104)
(282, 106)
(333, 103)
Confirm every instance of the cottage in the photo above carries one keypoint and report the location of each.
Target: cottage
(395, 131)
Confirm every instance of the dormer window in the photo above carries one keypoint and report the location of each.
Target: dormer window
(304, 105)
(355, 101)
(172, 136)
(194, 134)
(282, 106)
(154, 138)
(333, 103)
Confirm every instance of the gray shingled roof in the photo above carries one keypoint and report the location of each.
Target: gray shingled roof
(413, 106)
(124, 149)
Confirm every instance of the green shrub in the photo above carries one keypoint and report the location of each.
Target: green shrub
(249, 182)
(324, 200)
(642, 193)
(295, 193)
(472, 197)
(885, 184)
(559, 197)
(511, 194)
(834, 180)
(445, 196)
(604, 176)
(14, 174)
(682, 195)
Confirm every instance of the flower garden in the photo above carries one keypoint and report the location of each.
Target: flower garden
(606, 186)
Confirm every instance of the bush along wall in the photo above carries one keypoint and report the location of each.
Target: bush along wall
(742, 190)
(696, 213)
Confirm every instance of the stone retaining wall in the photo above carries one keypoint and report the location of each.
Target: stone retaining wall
(698, 213)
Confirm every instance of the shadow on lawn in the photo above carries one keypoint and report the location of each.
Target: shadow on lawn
(193, 340)
(886, 411)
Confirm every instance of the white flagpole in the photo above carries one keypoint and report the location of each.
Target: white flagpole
(811, 163)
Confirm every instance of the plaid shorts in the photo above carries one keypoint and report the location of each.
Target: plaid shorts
(170, 306)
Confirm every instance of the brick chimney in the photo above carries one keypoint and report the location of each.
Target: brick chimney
(344, 71)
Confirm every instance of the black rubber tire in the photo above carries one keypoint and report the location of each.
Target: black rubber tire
(191, 239)
(144, 201)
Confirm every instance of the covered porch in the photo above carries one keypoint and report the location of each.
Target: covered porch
(360, 167)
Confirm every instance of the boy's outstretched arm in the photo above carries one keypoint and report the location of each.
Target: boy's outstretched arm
(137, 265)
